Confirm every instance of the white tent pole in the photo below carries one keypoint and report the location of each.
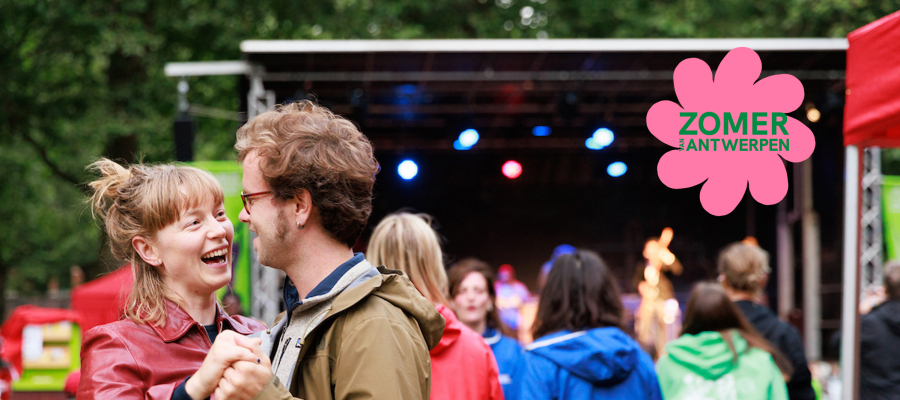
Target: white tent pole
(850, 313)
(812, 265)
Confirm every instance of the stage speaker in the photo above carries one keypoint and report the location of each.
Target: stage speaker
(185, 130)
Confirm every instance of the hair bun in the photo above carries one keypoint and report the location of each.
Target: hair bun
(106, 189)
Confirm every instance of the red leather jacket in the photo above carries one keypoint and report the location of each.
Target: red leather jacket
(126, 360)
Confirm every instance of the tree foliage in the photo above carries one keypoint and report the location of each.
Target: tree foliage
(84, 79)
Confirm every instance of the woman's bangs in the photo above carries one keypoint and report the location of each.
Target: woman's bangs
(197, 187)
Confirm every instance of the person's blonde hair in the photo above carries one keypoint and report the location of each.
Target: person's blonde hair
(407, 242)
(744, 267)
(139, 201)
(305, 146)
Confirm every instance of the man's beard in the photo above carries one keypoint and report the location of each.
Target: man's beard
(272, 251)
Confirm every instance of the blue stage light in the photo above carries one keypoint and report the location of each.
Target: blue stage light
(603, 136)
(467, 139)
(616, 169)
(541, 131)
(592, 144)
(459, 146)
(408, 169)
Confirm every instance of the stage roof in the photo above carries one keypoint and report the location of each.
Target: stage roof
(419, 94)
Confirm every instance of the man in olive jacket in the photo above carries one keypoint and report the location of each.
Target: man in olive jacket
(350, 330)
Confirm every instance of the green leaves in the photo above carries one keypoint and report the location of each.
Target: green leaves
(81, 79)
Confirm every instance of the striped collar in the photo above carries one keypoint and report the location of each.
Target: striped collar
(492, 336)
(558, 339)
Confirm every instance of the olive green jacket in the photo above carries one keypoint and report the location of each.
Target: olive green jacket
(373, 344)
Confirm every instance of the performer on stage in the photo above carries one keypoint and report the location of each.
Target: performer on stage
(511, 296)
(658, 317)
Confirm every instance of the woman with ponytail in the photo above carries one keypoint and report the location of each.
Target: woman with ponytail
(175, 341)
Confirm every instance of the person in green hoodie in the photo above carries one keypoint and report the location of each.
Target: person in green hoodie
(719, 356)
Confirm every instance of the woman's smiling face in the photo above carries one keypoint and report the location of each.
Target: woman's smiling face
(195, 250)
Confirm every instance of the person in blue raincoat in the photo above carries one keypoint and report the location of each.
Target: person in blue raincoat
(472, 299)
(581, 351)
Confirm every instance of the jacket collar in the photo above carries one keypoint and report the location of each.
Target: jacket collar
(452, 330)
(179, 323)
(431, 322)
(491, 336)
(292, 298)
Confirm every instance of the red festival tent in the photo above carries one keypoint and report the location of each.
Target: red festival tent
(101, 300)
(872, 110)
(871, 118)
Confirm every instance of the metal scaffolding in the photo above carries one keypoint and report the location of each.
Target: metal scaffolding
(862, 269)
(265, 282)
(870, 258)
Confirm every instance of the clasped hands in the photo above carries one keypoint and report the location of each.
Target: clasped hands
(235, 369)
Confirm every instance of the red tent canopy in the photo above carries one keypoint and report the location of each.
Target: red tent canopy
(101, 300)
(872, 111)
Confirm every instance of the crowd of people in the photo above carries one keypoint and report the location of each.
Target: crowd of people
(393, 323)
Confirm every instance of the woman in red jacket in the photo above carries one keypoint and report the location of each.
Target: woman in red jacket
(176, 343)
(462, 364)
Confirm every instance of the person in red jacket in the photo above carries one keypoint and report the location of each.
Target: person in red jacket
(169, 223)
(462, 364)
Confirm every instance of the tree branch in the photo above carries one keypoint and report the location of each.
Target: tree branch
(42, 152)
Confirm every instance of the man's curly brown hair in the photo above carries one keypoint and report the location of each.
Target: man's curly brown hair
(305, 146)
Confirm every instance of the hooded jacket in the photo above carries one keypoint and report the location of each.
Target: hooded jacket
(704, 367)
(462, 364)
(372, 343)
(508, 354)
(879, 366)
(601, 363)
(786, 338)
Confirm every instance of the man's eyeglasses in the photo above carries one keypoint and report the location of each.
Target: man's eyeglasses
(245, 197)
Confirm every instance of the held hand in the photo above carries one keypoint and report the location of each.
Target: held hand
(229, 348)
(244, 380)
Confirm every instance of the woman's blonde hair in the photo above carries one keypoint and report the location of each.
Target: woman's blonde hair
(139, 201)
(407, 242)
(744, 267)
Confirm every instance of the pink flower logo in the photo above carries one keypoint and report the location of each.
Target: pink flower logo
(730, 131)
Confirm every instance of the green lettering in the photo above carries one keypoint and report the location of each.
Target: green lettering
(714, 142)
(757, 123)
(784, 144)
(684, 129)
(763, 143)
(773, 144)
(779, 122)
(702, 125)
(691, 145)
(701, 144)
(743, 144)
(729, 144)
(753, 145)
(741, 123)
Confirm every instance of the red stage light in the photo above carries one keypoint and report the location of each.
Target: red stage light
(512, 169)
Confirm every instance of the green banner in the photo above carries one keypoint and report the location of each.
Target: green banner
(890, 205)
